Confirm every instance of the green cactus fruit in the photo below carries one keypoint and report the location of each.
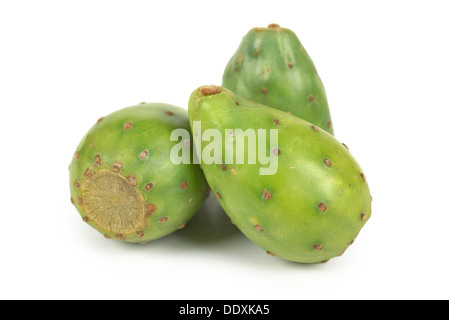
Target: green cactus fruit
(310, 208)
(272, 67)
(122, 179)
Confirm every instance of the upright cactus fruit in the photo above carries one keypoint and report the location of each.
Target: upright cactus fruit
(315, 204)
(272, 68)
(123, 182)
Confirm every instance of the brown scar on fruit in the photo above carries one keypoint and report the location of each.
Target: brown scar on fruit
(256, 53)
(318, 247)
(163, 219)
(120, 236)
(276, 151)
(233, 171)
(329, 124)
(270, 253)
(314, 127)
(144, 154)
(98, 159)
(149, 186)
(264, 90)
(169, 113)
(88, 173)
(290, 64)
(117, 167)
(328, 163)
(76, 184)
(311, 98)
(258, 228)
(72, 201)
(106, 236)
(184, 185)
(274, 26)
(140, 234)
(79, 200)
(143, 102)
(99, 120)
(181, 226)
(149, 209)
(237, 103)
(325, 261)
(223, 167)
(363, 217)
(322, 207)
(276, 121)
(267, 195)
(113, 204)
(128, 125)
(210, 90)
(363, 177)
(77, 155)
(345, 146)
(86, 219)
(132, 180)
(218, 195)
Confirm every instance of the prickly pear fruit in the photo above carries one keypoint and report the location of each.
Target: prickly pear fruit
(317, 201)
(272, 67)
(123, 182)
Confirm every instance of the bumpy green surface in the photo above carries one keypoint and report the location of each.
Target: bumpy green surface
(122, 180)
(272, 67)
(313, 208)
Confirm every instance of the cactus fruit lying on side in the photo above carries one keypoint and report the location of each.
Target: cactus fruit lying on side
(272, 67)
(123, 182)
(315, 204)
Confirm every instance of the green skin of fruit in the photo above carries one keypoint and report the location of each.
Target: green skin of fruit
(133, 145)
(313, 208)
(272, 67)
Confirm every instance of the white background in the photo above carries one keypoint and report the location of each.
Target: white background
(64, 64)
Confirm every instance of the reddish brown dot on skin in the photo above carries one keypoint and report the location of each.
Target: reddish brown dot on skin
(79, 200)
(237, 103)
(76, 184)
(264, 90)
(77, 155)
(128, 125)
(149, 209)
(258, 228)
(267, 195)
(233, 171)
(88, 173)
(276, 151)
(163, 219)
(169, 113)
(184, 185)
(140, 234)
(181, 226)
(276, 121)
(314, 127)
(71, 200)
(363, 217)
(322, 207)
(311, 98)
(325, 261)
(149, 186)
(223, 167)
(144, 154)
(329, 124)
(98, 159)
(132, 180)
(270, 253)
(328, 163)
(352, 242)
(253, 101)
(236, 69)
(256, 53)
(218, 195)
(120, 236)
(290, 65)
(85, 219)
(117, 167)
(318, 247)
(363, 177)
(345, 146)
(99, 120)
(106, 236)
